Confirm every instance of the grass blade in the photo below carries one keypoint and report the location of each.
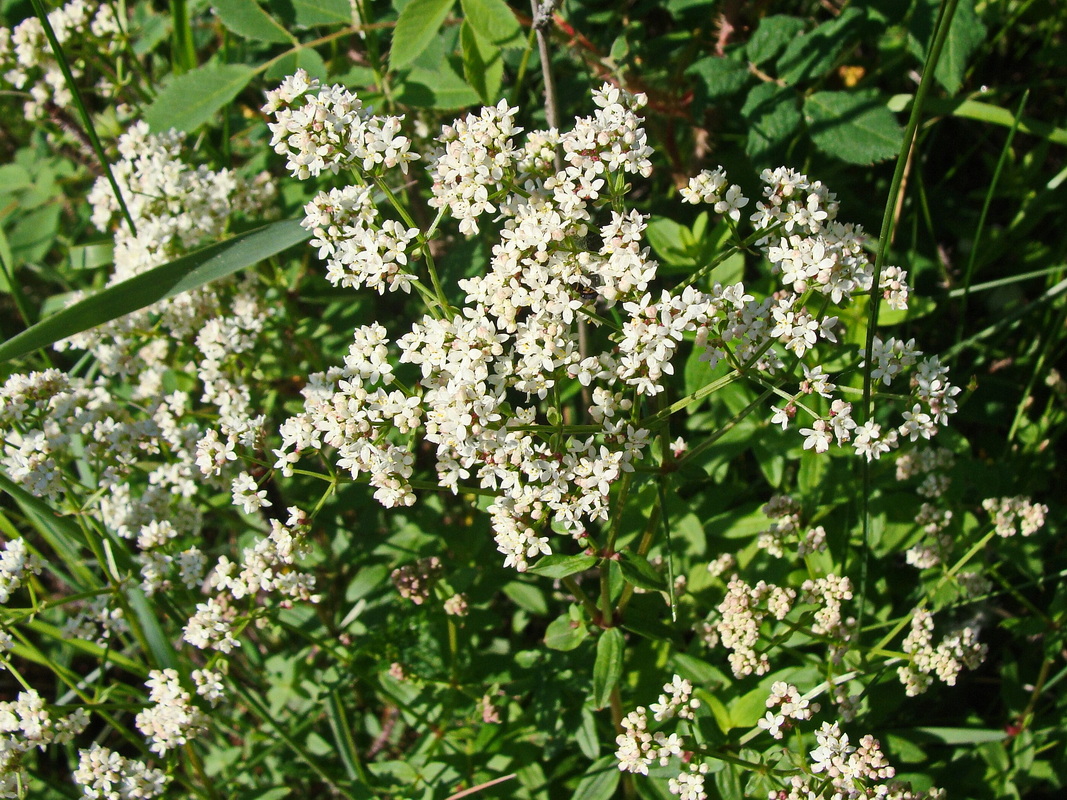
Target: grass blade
(167, 280)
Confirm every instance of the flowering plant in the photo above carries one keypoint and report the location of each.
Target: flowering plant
(319, 501)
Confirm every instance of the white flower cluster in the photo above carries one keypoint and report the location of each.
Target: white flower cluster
(25, 723)
(838, 769)
(84, 30)
(476, 161)
(1013, 515)
(825, 256)
(711, 187)
(567, 244)
(176, 207)
(952, 655)
(104, 774)
(360, 249)
(518, 332)
(415, 581)
(741, 613)
(16, 562)
(268, 566)
(97, 622)
(787, 528)
(785, 703)
(172, 719)
(324, 129)
(638, 749)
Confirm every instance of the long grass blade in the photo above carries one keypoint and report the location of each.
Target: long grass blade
(167, 280)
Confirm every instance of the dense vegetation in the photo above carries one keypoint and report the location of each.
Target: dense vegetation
(432, 399)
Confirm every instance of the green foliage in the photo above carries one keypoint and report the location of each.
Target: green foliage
(498, 683)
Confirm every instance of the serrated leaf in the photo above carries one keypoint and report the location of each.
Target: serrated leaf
(494, 21)
(304, 58)
(188, 272)
(565, 633)
(600, 780)
(415, 29)
(809, 56)
(964, 37)
(608, 665)
(772, 115)
(248, 19)
(190, 100)
(718, 77)
(321, 12)
(856, 127)
(772, 35)
(482, 65)
(560, 566)
(442, 89)
(640, 573)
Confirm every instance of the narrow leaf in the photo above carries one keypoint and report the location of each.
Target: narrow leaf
(494, 21)
(415, 29)
(600, 780)
(61, 533)
(188, 272)
(964, 37)
(559, 566)
(190, 100)
(607, 668)
(246, 18)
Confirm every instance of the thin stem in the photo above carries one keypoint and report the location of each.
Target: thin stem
(885, 236)
(83, 112)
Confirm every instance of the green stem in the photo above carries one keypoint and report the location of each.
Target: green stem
(885, 236)
(83, 112)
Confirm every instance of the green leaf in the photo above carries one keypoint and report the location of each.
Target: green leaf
(586, 737)
(188, 272)
(91, 256)
(494, 21)
(482, 65)
(607, 668)
(442, 89)
(672, 242)
(305, 58)
(565, 633)
(772, 35)
(772, 114)
(640, 573)
(856, 127)
(190, 100)
(89, 648)
(415, 29)
(246, 18)
(599, 781)
(719, 77)
(810, 56)
(162, 649)
(321, 12)
(61, 533)
(559, 566)
(746, 710)
(965, 36)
